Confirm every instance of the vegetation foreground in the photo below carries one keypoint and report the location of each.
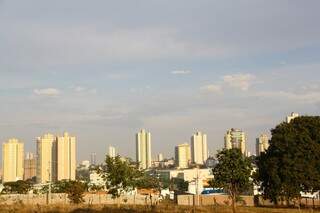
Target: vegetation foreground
(158, 209)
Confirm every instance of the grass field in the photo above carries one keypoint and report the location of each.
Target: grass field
(127, 209)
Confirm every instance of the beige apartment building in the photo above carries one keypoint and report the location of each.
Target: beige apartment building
(12, 160)
(143, 149)
(292, 116)
(235, 138)
(182, 156)
(199, 148)
(66, 157)
(56, 158)
(46, 158)
(30, 165)
(262, 144)
(111, 152)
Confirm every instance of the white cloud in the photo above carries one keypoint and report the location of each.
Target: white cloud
(51, 92)
(84, 90)
(180, 72)
(79, 89)
(240, 81)
(212, 88)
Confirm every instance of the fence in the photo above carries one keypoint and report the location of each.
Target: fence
(206, 200)
(42, 199)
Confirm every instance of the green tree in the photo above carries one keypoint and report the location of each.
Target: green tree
(148, 182)
(232, 173)
(292, 162)
(75, 191)
(179, 184)
(19, 187)
(60, 186)
(119, 176)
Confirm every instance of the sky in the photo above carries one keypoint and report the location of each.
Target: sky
(104, 69)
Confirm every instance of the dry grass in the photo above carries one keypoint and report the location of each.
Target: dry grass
(163, 208)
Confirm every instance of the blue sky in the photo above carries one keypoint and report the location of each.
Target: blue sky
(104, 69)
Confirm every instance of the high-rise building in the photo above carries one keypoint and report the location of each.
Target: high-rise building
(46, 158)
(93, 158)
(112, 152)
(66, 157)
(199, 148)
(291, 117)
(235, 138)
(143, 149)
(182, 155)
(160, 157)
(262, 144)
(12, 160)
(30, 165)
(56, 158)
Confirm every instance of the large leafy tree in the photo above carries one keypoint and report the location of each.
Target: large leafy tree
(19, 187)
(119, 175)
(232, 173)
(148, 182)
(292, 163)
(75, 191)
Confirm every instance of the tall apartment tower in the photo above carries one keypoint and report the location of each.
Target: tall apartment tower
(46, 158)
(235, 138)
(143, 149)
(262, 144)
(56, 158)
(182, 156)
(30, 165)
(93, 158)
(199, 148)
(291, 117)
(66, 157)
(12, 160)
(160, 157)
(112, 152)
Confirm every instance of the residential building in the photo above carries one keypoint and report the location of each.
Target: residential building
(143, 149)
(85, 163)
(199, 148)
(93, 158)
(182, 156)
(46, 158)
(12, 160)
(56, 158)
(112, 151)
(291, 117)
(262, 144)
(30, 165)
(96, 179)
(235, 138)
(160, 157)
(66, 157)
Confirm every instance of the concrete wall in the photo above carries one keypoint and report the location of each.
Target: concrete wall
(206, 200)
(63, 199)
(304, 202)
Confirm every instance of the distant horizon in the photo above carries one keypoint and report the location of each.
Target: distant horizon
(154, 154)
(103, 70)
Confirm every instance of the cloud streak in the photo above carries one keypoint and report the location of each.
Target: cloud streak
(49, 92)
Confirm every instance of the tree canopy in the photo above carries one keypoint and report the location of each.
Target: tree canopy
(75, 191)
(232, 173)
(292, 162)
(119, 175)
(19, 187)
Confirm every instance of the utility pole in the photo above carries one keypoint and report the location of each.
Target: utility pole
(49, 177)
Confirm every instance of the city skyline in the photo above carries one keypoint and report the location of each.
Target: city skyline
(199, 136)
(107, 69)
